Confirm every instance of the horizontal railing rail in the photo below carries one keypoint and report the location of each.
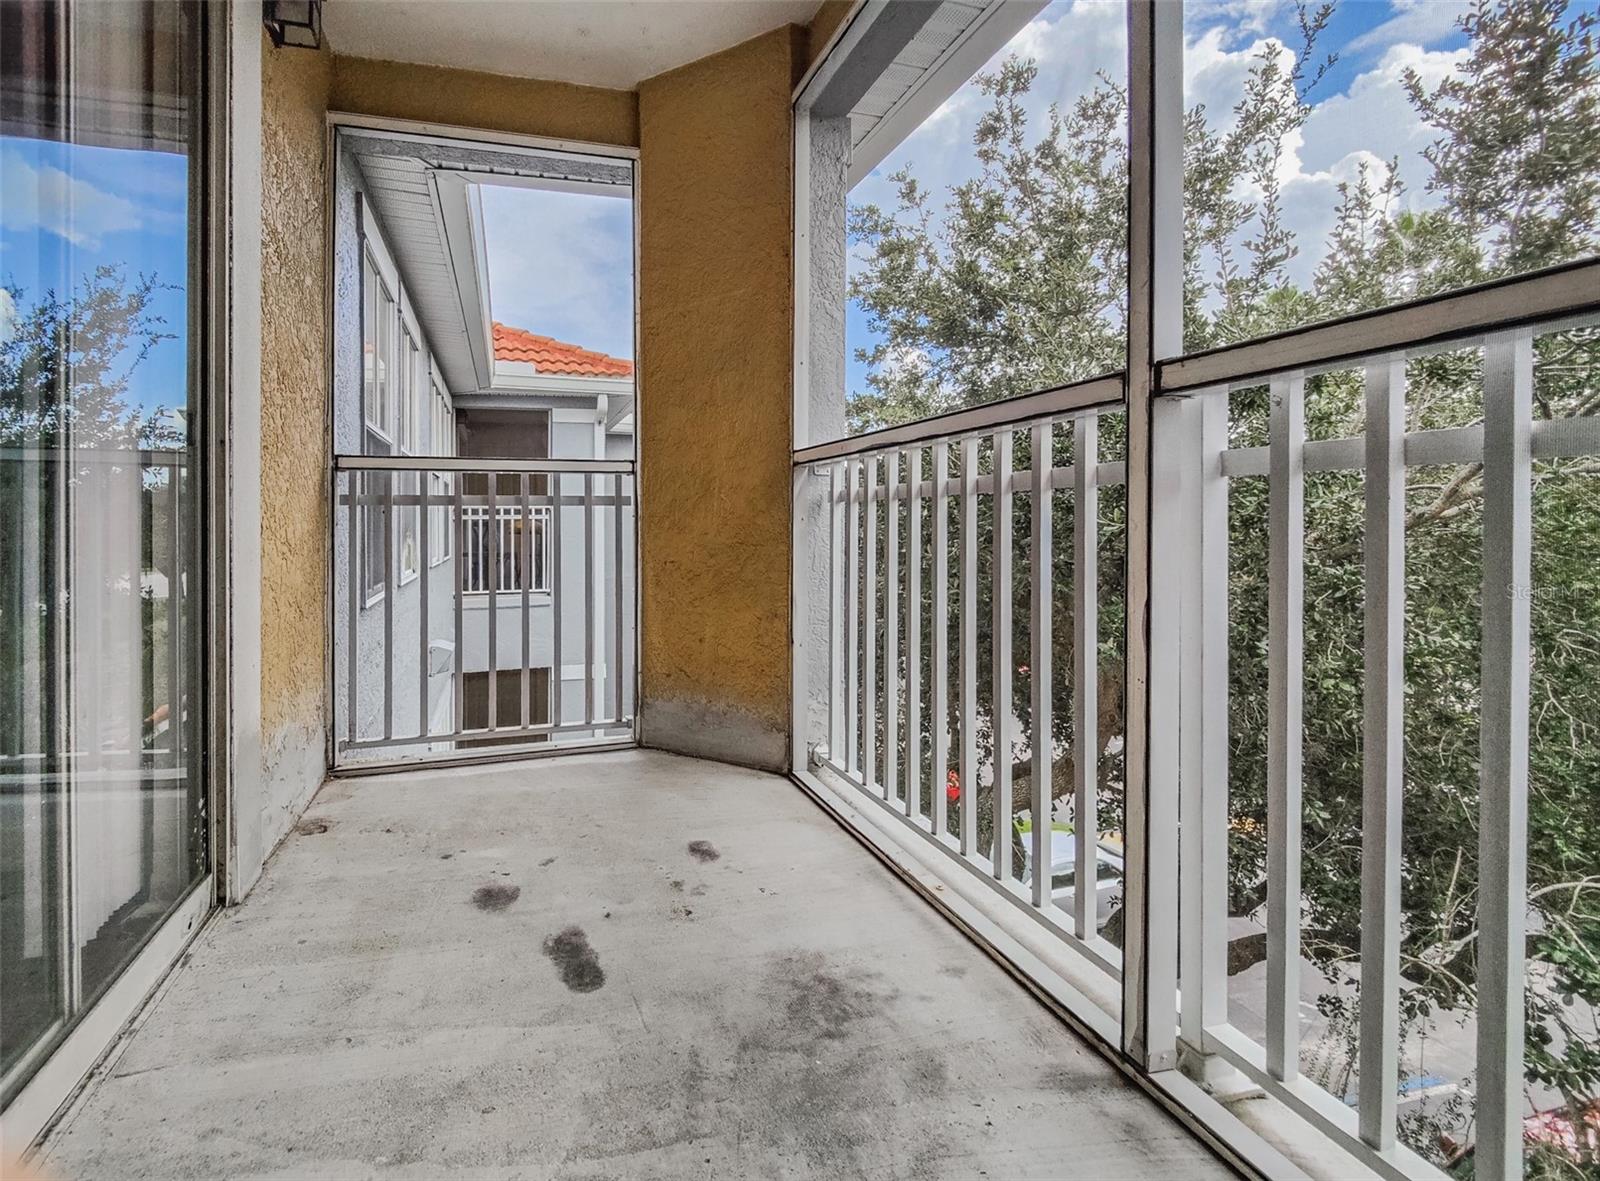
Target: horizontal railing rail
(514, 626)
(1094, 394)
(1420, 326)
(440, 463)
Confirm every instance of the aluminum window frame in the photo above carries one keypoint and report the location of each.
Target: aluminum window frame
(1164, 392)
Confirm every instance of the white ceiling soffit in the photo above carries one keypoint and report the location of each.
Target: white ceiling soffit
(616, 44)
(897, 63)
(419, 187)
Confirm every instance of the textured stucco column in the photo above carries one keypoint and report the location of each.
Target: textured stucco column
(716, 349)
(293, 433)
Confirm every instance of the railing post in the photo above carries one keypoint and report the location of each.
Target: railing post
(1155, 331)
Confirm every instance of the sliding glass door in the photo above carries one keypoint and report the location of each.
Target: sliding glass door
(102, 812)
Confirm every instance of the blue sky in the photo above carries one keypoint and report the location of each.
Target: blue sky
(1360, 111)
(67, 208)
(561, 265)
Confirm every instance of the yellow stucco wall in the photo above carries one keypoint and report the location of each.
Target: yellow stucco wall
(493, 102)
(298, 89)
(830, 15)
(714, 365)
(714, 420)
(294, 516)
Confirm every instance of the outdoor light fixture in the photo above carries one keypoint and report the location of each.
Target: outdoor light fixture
(297, 23)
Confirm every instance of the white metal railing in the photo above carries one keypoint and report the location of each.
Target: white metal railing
(1504, 446)
(503, 558)
(528, 636)
(912, 723)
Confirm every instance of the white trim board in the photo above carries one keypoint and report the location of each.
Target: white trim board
(34, 1109)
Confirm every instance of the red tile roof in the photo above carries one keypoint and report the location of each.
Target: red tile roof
(555, 356)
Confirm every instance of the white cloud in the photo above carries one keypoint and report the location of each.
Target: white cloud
(1372, 121)
(561, 264)
(1070, 40)
(1375, 115)
(1418, 22)
(8, 316)
(49, 199)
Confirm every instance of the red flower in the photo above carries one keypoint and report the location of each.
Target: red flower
(952, 788)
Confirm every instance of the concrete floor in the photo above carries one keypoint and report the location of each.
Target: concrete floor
(622, 966)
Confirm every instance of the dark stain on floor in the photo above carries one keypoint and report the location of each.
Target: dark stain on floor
(703, 851)
(1070, 1080)
(547, 861)
(575, 959)
(496, 897)
(312, 826)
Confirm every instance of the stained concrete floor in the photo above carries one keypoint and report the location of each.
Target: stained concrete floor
(609, 966)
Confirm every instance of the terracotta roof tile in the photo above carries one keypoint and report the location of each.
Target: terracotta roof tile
(547, 355)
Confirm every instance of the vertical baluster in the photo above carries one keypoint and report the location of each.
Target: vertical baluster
(869, 637)
(914, 632)
(1040, 556)
(1286, 575)
(969, 648)
(852, 637)
(1503, 752)
(837, 491)
(355, 482)
(492, 528)
(1383, 744)
(1085, 665)
(891, 629)
(1000, 718)
(424, 510)
(591, 629)
(525, 580)
(458, 559)
(557, 604)
(620, 634)
(391, 584)
(940, 671)
(1203, 781)
(177, 713)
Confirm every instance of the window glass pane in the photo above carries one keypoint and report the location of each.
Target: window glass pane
(1345, 158)
(983, 255)
(99, 505)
